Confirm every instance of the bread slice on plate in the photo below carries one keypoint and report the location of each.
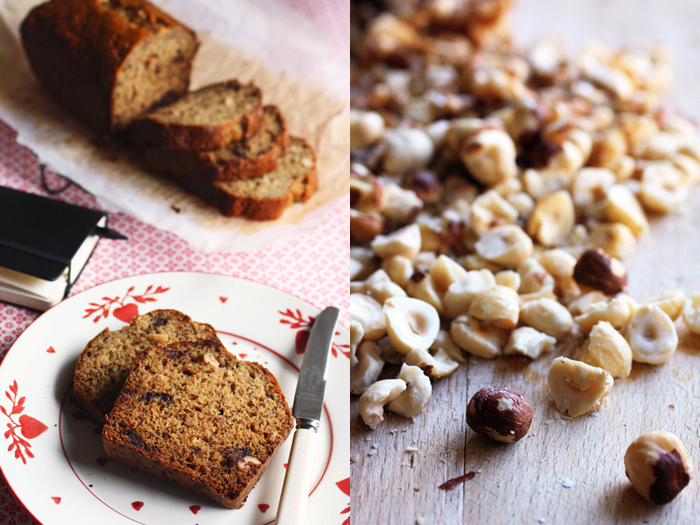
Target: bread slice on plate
(206, 119)
(193, 414)
(237, 160)
(108, 62)
(106, 361)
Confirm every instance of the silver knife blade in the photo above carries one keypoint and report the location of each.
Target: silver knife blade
(311, 387)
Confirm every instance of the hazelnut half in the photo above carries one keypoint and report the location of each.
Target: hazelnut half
(596, 270)
(499, 414)
(411, 323)
(658, 466)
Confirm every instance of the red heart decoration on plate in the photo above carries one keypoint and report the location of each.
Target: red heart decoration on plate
(31, 427)
(137, 505)
(126, 313)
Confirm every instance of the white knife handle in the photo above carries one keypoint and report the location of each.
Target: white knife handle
(297, 480)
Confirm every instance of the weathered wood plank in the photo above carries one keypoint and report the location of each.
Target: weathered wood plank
(564, 471)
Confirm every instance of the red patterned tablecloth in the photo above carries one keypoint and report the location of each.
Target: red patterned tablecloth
(313, 268)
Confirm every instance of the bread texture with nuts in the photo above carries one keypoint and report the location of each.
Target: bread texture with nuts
(108, 62)
(265, 197)
(104, 365)
(206, 119)
(192, 413)
(236, 160)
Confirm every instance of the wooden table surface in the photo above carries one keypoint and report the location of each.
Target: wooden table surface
(565, 471)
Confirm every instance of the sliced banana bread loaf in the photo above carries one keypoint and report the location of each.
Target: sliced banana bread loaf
(238, 160)
(206, 119)
(260, 198)
(193, 414)
(107, 61)
(106, 361)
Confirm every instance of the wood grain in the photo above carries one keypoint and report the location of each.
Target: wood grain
(565, 470)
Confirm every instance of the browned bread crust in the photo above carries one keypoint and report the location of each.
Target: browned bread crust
(96, 58)
(235, 161)
(195, 123)
(298, 166)
(106, 361)
(295, 175)
(193, 414)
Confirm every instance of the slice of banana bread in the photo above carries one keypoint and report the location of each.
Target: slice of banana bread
(193, 414)
(106, 361)
(206, 119)
(237, 160)
(108, 61)
(267, 196)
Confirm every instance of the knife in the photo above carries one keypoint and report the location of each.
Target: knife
(307, 409)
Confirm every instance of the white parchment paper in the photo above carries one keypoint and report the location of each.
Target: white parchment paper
(261, 41)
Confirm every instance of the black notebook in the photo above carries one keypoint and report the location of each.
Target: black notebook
(44, 245)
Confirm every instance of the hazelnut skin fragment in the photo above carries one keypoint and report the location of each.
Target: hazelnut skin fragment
(658, 466)
(594, 269)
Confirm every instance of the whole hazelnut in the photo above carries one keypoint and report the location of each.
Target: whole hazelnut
(366, 193)
(425, 184)
(596, 270)
(499, 414)
(658, 466)
(365, 226)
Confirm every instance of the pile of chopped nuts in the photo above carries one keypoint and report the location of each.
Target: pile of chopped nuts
(495, 192)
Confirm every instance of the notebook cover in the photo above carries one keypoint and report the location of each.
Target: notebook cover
(39, 236)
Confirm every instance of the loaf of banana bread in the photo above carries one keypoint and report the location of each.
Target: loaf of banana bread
(108, 61)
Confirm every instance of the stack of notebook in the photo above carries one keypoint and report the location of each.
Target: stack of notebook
(44, 246)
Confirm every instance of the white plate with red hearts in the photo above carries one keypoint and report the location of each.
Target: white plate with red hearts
(53, 458)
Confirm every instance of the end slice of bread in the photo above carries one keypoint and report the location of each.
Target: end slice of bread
(206, 119)
(267, 196)
(106, 361)
(235, 161)
(108, 62)
(193, 414)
